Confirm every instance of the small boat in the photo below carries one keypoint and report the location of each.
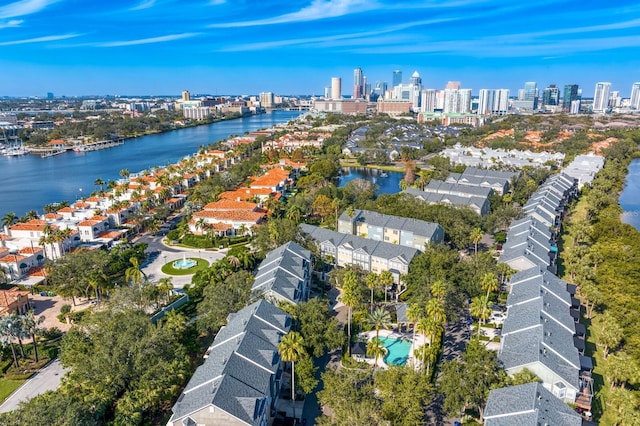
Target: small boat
(384, 174)
(79, 148)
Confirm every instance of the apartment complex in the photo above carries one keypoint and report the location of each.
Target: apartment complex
(370, 255)
(391, 229)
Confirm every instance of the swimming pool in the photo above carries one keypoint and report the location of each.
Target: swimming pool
(397, 350)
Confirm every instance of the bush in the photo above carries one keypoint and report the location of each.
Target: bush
(174, 234)
(65, 309)
(197, 241)
(51, 333)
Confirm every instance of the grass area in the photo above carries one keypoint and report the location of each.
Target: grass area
(7, 387)
(168, 268)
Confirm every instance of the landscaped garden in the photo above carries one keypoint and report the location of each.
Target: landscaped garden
(175, 267)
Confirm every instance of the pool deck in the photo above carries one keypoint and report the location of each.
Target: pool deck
(419, 340)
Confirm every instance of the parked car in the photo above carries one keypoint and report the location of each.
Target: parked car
(497, 318)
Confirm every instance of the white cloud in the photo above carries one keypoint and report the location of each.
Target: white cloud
(11, 24)
(24, 7)
(217, 2)
(318, 9)
(151, 40)
(39, 39)
(146, 4)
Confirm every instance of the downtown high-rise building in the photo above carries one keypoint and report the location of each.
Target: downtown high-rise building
(493, 102)
(635, 96)
(569, 95)
(358, 84)
(397, 78)
(601, 97)
(551, 95)
(428, 100)
(336, 88)
(457, 101)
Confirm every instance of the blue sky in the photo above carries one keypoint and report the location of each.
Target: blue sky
(79, 47)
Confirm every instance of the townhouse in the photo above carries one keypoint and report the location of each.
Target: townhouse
(407, 232)
(284, 275)
(529, 404)
(540, 334)
(584, 168)
(241, 378)
(370, 255)
(227, 217)
(480, 205)
(498, 181)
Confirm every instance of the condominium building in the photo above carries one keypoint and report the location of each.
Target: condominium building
(601, 97)
(635, 96)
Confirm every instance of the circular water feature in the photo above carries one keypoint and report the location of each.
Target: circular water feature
(184, 263)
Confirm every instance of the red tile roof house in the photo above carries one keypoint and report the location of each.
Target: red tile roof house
(238, 216)
(90, 229)
(18, 264)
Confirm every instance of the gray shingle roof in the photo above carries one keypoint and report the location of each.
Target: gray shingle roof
(528, 404)
(242, 363)
(418, 227)
(374, 248)
(479, 204)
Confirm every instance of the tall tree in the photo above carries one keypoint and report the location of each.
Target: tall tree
(291, 349)
(414, 314)
(134, 274)
(375, 349)
(371, 282)
(386, 281)
(489, 282)
(475, 237)
(379, 318)
(480, 309)
(609, 332)
(350, 297)
(31, 325)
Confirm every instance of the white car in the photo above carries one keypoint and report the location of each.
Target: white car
(497, 318)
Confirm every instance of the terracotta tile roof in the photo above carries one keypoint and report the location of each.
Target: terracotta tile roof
(94, 199)
(99, 218)
(12, 258)
(244, 193)
(111, 234)
(37, 271)
(226, 204)
(12, 295)
(56, 142)
(67, 210)
(52, 216)
(230, 215)
(4, 237)
(88, 223)
(30, 250)
(82, 205)
(174, 200)
(3, 250)
(32, 225)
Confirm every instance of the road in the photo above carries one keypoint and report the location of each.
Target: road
(163, 254)
(48, 378)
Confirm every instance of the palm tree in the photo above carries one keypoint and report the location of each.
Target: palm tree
(165, 286)
(375, 349)
(372, 283)
(9, 219)
(7, 336)
(439, 290)
(432, 329)
(480, 309)
(386, 280)
(291, 349)
(475, 237)
(99, 183)
(379, 318)
(435, 310)
(31, 326)
(350, 296)
(414, 314)
(125, 173)
(133, 273)
(489, 282)
(505, 272)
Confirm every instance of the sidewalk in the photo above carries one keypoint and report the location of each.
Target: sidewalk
(48, 378)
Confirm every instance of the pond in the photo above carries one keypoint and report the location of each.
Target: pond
(630, 197)
(387, 182)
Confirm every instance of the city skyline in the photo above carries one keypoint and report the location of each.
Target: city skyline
(73, 48)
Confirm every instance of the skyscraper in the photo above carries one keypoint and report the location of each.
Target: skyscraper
(358, 83)
(570, 95)
(531, 93)
(601, 97)
(186, 96)
(336, 88)
(397, 78)
(415, 79)
(551, 95)
(635, 96)
(428, 100)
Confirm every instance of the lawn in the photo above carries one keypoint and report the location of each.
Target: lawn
(7, 387)
(168, 268)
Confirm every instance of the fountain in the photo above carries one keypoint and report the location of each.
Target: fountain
(184, 263)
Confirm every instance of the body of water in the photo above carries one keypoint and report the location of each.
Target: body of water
(630, 196)
(29, 182)
(386, 185)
